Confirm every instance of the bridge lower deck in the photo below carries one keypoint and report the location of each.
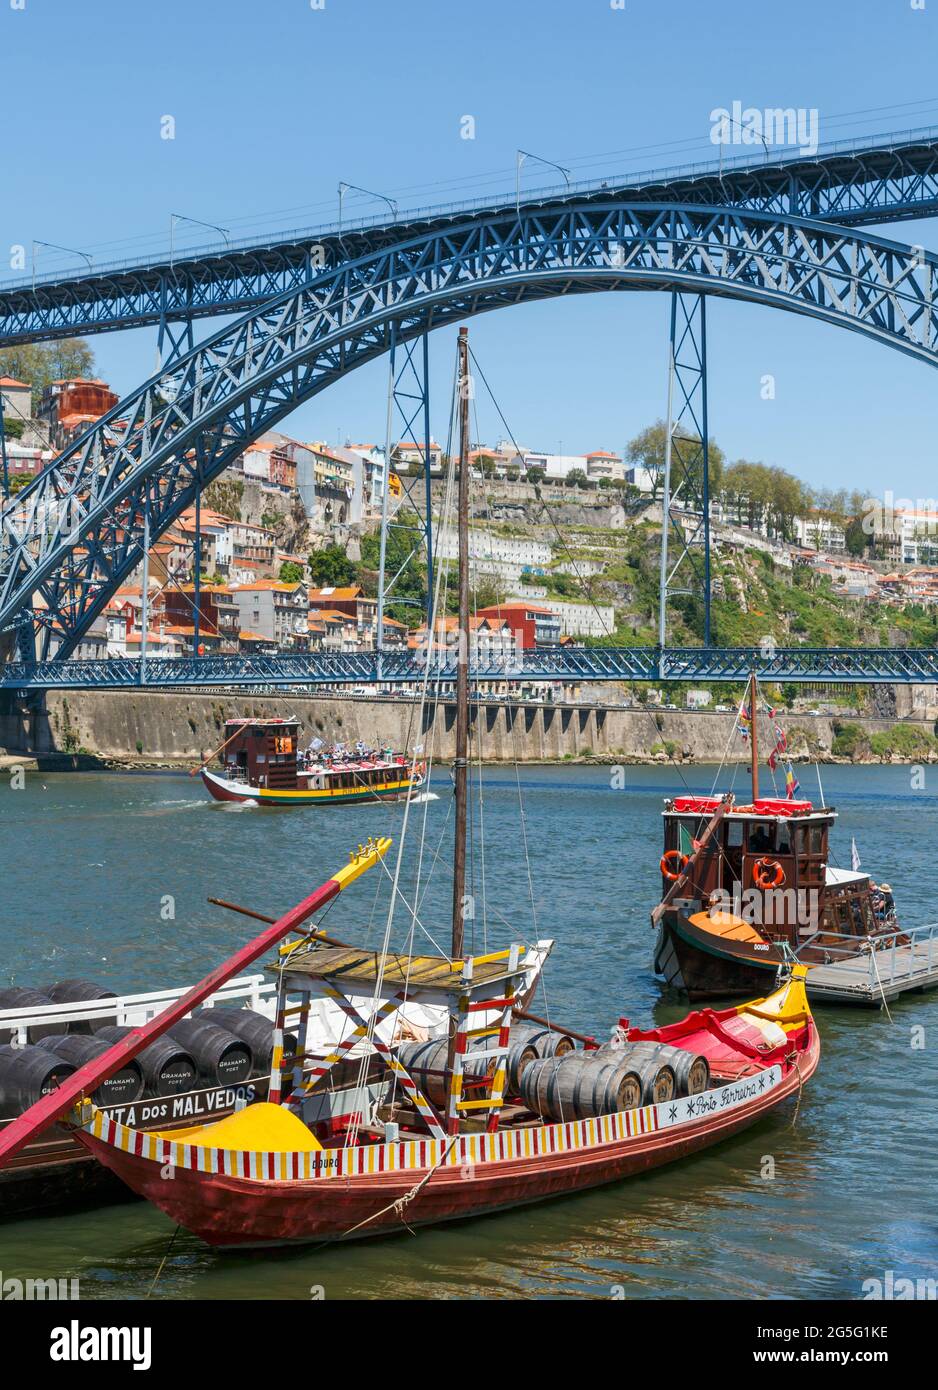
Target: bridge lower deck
(869, 980)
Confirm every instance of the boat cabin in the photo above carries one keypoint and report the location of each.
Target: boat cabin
(768, 863)
(261, 752)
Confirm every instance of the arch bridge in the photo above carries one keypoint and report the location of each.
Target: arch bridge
(69, 539)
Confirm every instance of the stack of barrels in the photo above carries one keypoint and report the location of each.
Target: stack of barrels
(217, 1047)
(562, 1084)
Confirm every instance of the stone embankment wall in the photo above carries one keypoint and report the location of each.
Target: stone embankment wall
(153, 727)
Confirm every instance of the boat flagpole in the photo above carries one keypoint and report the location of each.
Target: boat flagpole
(88, 1077)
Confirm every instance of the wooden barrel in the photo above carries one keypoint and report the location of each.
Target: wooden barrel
(426, 1061)
(82, 992)
(255, 1030)
(651, 1062)
(122, 1087)
(691, 1071)
(20, 997)
(547, 1042)
(222, 1059)
(26, 1075)
(167, 1068)
(521, 1051)
(579, 1086)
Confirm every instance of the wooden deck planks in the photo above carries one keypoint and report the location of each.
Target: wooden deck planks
(901, 969)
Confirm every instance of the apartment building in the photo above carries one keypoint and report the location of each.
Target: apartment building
(274, 611)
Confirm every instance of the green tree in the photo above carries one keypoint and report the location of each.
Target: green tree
(42, 363)
(12, 429)
(291, 572)
(577, 478)
(330, 567)
(410, 583)
(648, 450)
(535, 475)
(855, 537)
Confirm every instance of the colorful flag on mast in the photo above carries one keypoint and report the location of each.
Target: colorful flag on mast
(792, 785)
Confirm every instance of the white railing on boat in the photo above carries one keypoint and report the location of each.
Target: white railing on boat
(130, 1010)
(902, 954)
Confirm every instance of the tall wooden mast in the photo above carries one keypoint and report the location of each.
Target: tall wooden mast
(753, 735)
(461, 764)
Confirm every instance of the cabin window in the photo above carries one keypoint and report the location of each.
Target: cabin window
(816, 837)
(760, 837)
(857, 913)
(734, 834)
(783, 839)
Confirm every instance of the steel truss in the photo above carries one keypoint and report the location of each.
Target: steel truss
(74, 534)
(566, 665)
(852, 183)
(408, 413)
(685, 498)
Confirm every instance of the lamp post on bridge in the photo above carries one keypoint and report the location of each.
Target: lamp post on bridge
(175, 217)
(520, 157)
(369, 193)
(54, 246)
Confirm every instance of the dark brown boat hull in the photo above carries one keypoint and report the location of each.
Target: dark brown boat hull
(703, 967)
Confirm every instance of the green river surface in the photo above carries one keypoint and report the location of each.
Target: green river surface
(88, 859)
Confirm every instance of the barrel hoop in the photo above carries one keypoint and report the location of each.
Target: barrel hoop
(420, 1154)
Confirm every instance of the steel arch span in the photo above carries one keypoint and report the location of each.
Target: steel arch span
(72, 535)
(851, 182)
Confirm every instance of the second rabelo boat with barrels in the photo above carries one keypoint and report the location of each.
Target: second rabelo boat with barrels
(747, 886)
(475, 1106)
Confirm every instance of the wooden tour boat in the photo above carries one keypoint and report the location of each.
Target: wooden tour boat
(475, 1106)
(748, 887)
(262, 764)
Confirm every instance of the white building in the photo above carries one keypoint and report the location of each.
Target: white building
(698, 699)
(375, 474)
(817, 532)
(918, 531)
(507, 557)
(602, 464)
(645, 479)
(583, 619)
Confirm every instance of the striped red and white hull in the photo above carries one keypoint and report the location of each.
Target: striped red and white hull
(232, 1199)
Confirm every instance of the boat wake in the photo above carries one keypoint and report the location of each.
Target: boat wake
(422, 797)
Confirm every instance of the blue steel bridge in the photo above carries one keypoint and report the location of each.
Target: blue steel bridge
(787, 232)
(570, 665)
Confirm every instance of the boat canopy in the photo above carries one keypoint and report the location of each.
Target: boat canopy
(765, 806)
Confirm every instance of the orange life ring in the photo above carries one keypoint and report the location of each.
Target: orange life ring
(665, 865)
(768, 873)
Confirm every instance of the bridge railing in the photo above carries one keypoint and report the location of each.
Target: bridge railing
(565, 665)
(428, 211)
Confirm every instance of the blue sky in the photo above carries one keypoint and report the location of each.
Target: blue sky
(275, 102)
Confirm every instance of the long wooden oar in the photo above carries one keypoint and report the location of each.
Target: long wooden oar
(82, 1082)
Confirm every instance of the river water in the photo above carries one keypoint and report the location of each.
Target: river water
(93, 865)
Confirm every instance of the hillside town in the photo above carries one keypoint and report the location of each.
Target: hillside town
(248, 570)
